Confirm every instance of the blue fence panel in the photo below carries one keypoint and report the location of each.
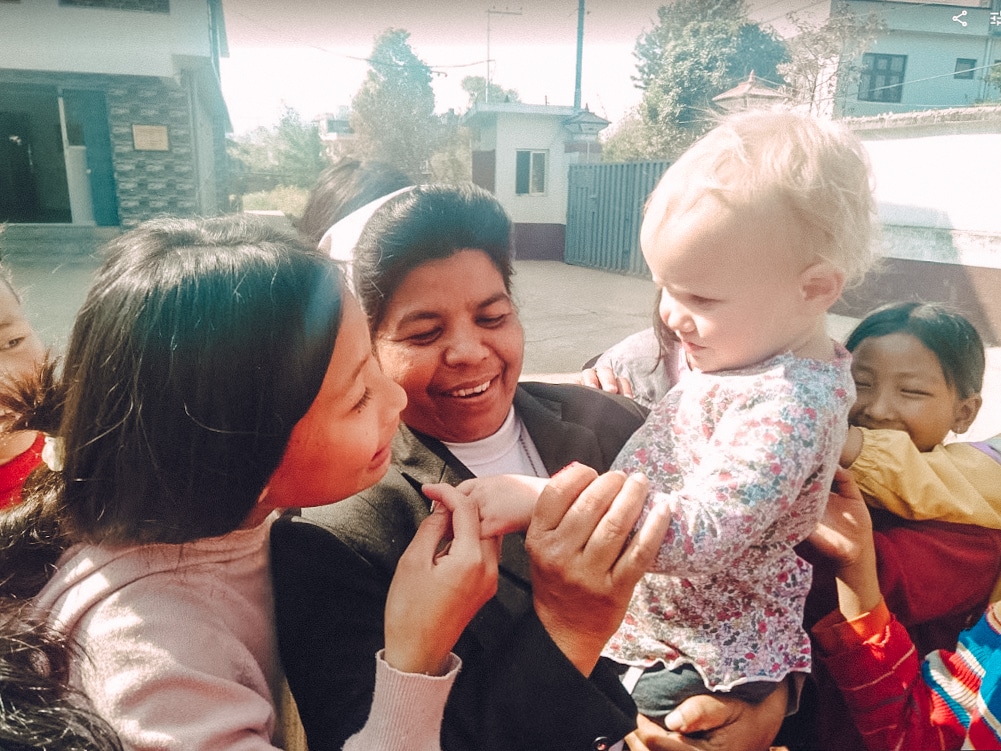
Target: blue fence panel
(604, 211)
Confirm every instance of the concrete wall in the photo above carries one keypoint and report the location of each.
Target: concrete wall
(936, 176)
(46, 36)
(946, 182)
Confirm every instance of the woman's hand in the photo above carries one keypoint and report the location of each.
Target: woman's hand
(443, 578)
(584, 564)
(715, 721)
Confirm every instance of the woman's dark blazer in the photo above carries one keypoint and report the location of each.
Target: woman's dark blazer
(332, 568)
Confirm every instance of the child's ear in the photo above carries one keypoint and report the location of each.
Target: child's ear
(966, 413)
(821, 284)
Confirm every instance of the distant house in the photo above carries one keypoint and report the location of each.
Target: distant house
(522, 153)
(931, 56)
(111, 110)
(335, 130)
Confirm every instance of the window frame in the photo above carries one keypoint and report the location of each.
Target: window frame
(879, 84)
(966, 73)
(527, 165)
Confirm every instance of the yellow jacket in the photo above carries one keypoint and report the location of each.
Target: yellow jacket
(954, 482)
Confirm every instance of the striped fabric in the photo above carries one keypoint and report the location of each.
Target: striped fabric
(952, 700)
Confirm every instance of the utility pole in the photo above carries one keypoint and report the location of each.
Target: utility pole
(492, 12)
(580, 52)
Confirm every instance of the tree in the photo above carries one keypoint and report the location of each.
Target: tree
(393, 113)
(993, 78)
(697, 50)
(476, 87)
(626, 141)
(290, 154)
(824, 58)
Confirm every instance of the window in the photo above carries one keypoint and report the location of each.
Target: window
(882, 77)
(964, 67)
(530, 173)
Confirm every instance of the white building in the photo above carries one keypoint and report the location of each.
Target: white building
(521, 153)
(111, 110)
(931, 56)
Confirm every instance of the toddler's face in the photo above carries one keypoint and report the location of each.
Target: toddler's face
(730, 280)
(21, 350)
(901, 386)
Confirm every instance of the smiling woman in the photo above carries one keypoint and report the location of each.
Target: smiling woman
(433, 271)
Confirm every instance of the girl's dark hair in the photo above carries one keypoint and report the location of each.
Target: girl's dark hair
(666, 338)
(345, 187)
(950, 336)
(39, 709)
(199, 347)
(430, 222)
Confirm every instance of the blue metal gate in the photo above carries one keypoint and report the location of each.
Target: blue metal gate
(604, 211)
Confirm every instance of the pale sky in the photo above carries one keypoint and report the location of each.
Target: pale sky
(310, 54)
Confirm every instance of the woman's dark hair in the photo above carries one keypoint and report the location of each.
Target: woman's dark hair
(345, 187)
(950, 336)
(430, 222)
(199, 347)
(39, 709)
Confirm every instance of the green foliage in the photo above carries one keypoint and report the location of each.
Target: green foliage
(697, 49)
(393, 114)
(627, 141)
(289, 154)
(452, 162)
(476, 87)
(824, 59)
(291, 201)
(992, 76)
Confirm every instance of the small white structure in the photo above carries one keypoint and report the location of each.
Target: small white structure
(521, 153)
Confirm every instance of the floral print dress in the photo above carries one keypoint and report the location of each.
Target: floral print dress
(744, 459)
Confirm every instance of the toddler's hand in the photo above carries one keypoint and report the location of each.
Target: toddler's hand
(506, 502)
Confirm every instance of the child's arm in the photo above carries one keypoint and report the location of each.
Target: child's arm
(952, 483)
(763, 460)
(844, 534)
(506, 502)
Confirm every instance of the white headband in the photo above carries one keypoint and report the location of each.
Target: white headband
(340, 240)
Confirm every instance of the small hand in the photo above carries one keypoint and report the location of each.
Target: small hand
(844, 534)
(443, 578)
(604, 378)
(505, 502)
(846, 527)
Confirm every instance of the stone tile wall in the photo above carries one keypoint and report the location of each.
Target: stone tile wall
(148, 183)
(151, 182)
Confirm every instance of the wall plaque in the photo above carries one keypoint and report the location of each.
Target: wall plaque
(150, 138)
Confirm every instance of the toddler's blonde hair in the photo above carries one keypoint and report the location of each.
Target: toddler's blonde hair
(817, 168)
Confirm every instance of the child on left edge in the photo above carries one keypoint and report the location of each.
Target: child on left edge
(21, 354)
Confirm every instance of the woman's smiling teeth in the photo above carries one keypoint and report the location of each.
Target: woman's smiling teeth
(471, 391)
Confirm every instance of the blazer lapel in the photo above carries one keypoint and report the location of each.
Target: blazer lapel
(558, 442)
